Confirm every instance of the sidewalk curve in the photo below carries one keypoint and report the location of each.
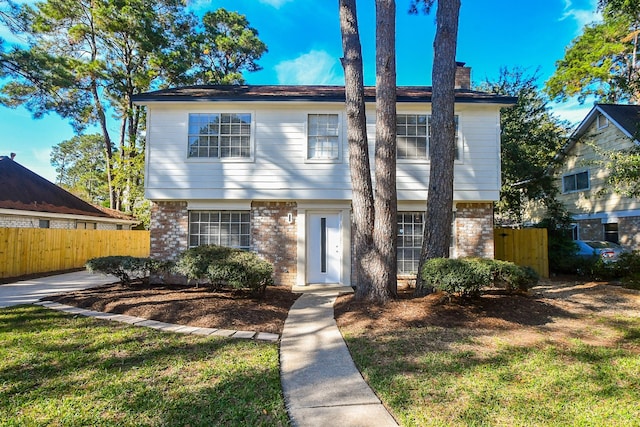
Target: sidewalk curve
(320, 382)
(32, 290)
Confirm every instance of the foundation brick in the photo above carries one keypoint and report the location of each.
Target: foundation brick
(474, 230)
(629, 232)
(590, 229)
(169, 229)
(275, 239)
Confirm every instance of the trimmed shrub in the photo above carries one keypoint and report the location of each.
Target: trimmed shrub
(161, 268)
(456, 276)
(511, 276)
(123, 267)
(627, 266)
(242, 270)
(221, 266)
(194, 262)
(468, 276)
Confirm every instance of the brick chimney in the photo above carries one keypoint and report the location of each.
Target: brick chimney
(463, 76)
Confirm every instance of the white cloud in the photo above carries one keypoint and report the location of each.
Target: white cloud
(582, 16)
(316, 67)
(275, 3)
(571, 110)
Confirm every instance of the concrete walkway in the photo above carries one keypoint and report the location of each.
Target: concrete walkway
(30, 291)
(321, 384)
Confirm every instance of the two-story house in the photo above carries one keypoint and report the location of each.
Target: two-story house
(599, 213)
(266, 168)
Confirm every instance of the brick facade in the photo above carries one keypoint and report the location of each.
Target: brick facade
(275, 238)
(474, 230)
(169, 229)
(629, 232)
(590, 229)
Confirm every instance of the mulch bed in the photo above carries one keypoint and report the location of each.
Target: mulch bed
(551, 301)
(191, 306)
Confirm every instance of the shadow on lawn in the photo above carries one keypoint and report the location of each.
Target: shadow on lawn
(514, 377)
(135, 374)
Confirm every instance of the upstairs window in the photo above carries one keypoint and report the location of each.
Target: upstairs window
(220, 135)
(601, 121)
(414, 134)
(323, 141)
(575, 182)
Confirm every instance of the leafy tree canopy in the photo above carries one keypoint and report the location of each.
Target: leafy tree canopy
(85, 59)
(531, 138)
(624, 171)
(80, 167)
(602, 61)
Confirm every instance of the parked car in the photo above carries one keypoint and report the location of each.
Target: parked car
(608, 251)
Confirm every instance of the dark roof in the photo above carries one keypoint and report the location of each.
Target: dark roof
(25, 190)
(303, 93)
(627, 117)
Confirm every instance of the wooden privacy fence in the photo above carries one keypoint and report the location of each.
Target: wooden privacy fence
(526, 247)
(39, 250)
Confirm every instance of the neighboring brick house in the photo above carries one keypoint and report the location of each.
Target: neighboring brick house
(599, 213)
(27, 200)
(265, 168)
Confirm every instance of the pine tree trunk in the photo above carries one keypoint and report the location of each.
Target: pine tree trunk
(384, 263)
(99, 109)
(437, 231)
(362, 189)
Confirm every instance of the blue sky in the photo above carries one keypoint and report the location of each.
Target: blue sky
(303, 37)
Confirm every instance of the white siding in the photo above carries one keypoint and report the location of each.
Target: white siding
(278, 169)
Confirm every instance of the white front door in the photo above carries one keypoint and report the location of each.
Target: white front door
(324, 243)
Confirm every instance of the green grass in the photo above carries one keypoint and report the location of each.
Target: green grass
(61, 370)
(437, 377)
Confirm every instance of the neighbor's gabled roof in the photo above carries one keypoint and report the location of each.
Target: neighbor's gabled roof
(27, 191)
(300, 93)
(624, 116)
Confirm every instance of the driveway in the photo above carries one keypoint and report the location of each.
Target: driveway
(30, 291)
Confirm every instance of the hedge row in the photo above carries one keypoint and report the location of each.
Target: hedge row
(468, 276)
(219, 266)
(216, 266)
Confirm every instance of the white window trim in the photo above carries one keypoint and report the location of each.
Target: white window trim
(189, 233)
(573, 173)
(460, 142)
(252, 147)
(412, 213)
(340, 138)
(599, 124)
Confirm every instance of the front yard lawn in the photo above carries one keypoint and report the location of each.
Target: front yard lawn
(569, 355)
(57, 369)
